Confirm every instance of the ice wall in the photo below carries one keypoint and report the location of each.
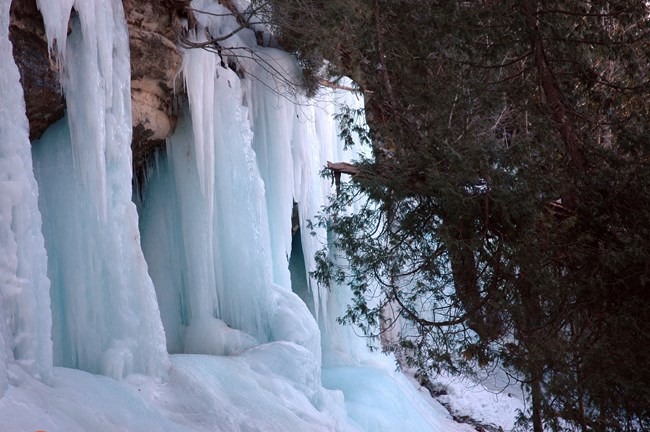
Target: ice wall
(105, 315)
(25, 317)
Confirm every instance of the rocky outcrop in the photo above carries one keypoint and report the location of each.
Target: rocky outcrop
(155, 66)
(155, 72)
(38, 73)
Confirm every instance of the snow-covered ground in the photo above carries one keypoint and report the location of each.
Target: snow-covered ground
(267, 388)
(481, 402)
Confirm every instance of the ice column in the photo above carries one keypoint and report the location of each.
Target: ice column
(217, 196)
(25, 318)
(274, 112)
(105, 314)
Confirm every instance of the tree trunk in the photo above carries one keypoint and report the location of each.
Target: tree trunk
(536, 396)
(551, 91)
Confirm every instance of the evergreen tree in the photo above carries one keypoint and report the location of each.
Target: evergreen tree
(506, 208)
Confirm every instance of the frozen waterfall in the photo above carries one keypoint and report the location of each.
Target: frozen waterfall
(178, 314)
(105, 317)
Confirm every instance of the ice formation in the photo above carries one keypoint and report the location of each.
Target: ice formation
(104, 313)
(25, 317)
(180, 316)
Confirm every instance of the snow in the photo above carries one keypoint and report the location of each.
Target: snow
(492, 401)
(213, 336)
(179, 315)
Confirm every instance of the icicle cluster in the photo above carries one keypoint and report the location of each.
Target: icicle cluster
(105, 317)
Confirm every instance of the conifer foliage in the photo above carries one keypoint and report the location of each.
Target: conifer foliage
(505, 213)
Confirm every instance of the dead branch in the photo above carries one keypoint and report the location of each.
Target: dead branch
(339, 168)
(325, 83)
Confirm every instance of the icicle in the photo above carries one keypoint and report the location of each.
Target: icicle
(199, 70)
(25, 317)
(56, 15)
(196, 222)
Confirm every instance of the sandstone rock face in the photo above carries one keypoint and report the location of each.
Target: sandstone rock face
(155, 73)
(38, 72)
(155, 70)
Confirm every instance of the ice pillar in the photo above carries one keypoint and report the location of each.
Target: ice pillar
(25, 318)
